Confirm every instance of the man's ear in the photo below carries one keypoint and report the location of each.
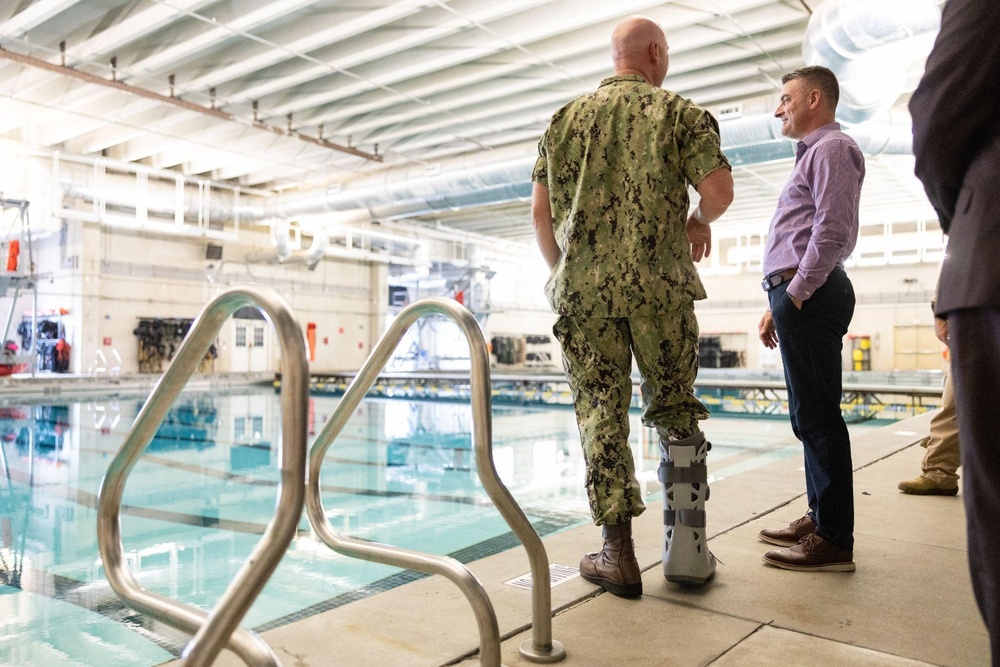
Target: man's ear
(655, 54)
(815, 98)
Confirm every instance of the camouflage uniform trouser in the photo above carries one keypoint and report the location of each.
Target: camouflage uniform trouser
(597, 356)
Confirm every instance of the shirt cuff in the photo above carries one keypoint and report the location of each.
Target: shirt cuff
(800, 289)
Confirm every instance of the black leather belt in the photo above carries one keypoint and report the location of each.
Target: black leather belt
(778, 278)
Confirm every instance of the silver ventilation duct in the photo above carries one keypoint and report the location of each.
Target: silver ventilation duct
(758, 139)
(281, 236)
(869, 44)
(158, 197)
(406, 191)
(845, 35)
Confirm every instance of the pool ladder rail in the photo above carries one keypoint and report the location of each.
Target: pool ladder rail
(540, 648)
(220, 628)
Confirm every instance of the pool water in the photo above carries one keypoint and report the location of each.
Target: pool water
(402, 473)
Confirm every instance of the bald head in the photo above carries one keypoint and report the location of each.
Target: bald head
(638, 46)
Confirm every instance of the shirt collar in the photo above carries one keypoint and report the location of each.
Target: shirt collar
(817, 134)
(624, 77)
(810, 139)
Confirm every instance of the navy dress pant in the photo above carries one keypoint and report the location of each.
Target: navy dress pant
(811, 341)
(975, 349)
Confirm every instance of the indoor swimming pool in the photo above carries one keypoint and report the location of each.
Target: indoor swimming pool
(402, 473)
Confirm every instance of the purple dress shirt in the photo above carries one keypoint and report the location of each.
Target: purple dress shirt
(815, 226)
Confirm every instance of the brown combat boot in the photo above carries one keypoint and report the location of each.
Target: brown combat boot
(614, 567)
(925, 486)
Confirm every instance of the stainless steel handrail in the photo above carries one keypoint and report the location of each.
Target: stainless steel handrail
(541, 648)
(219, 628)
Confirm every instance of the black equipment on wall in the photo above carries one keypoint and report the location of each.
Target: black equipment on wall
(49, 336)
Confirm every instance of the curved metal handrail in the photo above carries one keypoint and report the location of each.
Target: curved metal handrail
(541, 648)
(219, 628)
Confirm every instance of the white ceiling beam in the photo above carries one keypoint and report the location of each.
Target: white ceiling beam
(558, 17)
(701, 71)
(104, 42)
(131, 30)
(246, 19)
(518, 116)
(350, 55)
(364, 21)
(131, 122)
(271, 154)
(688, 71)
(318, 172)
(32, 16)
(548, 43)
(183, 125)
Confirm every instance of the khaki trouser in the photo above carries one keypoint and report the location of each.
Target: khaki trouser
(597, 357)
(942, 458)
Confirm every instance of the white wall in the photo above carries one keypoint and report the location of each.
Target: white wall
(125, 275)
(885, 297)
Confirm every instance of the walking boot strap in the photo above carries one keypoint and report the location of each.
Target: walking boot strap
(696, 473)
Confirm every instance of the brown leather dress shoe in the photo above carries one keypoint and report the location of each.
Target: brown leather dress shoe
(790, 536)
(812, 554)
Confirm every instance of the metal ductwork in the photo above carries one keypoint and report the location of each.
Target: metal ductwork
(158, 197)
(860, 40)
(869, 44)
(281, 237)
(406, 191)
(758, 139)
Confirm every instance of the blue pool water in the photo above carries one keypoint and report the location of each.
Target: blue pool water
(195, 505)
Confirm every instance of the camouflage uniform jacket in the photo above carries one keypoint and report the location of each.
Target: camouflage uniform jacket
(617, 163)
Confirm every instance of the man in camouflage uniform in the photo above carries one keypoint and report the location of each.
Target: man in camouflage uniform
(610, 210)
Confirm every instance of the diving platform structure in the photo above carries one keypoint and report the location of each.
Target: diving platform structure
(867, 395)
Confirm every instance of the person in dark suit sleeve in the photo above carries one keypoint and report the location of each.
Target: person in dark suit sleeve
(956, 141)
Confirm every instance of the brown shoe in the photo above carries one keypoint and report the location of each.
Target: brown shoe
(922, 486)
(789, 537)
(812, 554)
(614, 567)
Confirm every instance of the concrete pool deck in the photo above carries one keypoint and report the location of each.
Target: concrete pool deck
(909, 602)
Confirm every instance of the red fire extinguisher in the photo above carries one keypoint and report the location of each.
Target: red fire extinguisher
(13, 251)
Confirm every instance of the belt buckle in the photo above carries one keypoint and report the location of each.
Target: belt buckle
(766, 284)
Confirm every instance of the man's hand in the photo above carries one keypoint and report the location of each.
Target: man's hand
(766, 331)
(700, 236)
(797, 302)
(941, 329)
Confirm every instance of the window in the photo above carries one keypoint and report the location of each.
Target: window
(241, 335)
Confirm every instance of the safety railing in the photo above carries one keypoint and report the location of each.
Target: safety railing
(101, 364)
(541, 647)
(219, 628)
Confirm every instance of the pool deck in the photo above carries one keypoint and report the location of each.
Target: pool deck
(909, 602)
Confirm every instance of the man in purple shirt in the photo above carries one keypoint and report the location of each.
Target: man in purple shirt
(814, 229)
